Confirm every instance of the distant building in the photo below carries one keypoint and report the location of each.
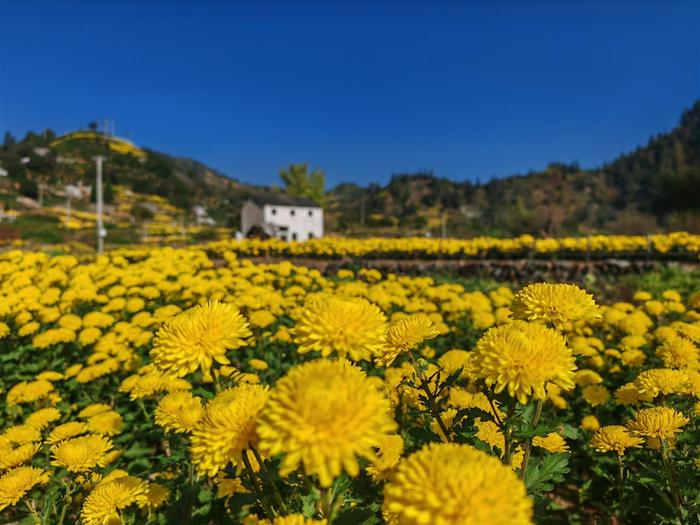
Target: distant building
(283, 216)
(202, 217)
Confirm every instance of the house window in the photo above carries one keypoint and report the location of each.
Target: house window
(292, 213)
(273, 211)
(311, 234)
(294, 236)
(311, 213)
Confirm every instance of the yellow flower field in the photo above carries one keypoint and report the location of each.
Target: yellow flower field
(163, 385)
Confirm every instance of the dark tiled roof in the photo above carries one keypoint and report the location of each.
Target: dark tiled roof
(282, 199)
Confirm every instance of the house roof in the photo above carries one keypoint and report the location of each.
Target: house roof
(283, 199)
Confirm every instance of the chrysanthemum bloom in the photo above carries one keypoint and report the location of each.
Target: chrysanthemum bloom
(103, 504)
(552, 442)
(595, 395)
(179, 412)
(81, 454)
(590, 423)
(554, 303)
(17, 482)
(199, 337)
(615, 438)
(19, 435)
(42, 417)
(324, 415)
(66, 431)
(227, 428)
(488, 432)
(523, 358)
(657, 381)
(109, 423)
(94, 409)
(657, 424)
(403, 335)
(450, 484)
(390, 451)
(350, 327)
(587, 377)
(628, 395)
(155, 495)
(14, 457)
(679, 352)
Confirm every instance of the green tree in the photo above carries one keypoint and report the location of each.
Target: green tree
(299, 182)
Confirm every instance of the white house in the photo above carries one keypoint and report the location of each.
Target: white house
(284, 216)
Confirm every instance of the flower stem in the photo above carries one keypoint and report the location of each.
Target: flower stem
(32, 509)
(528, 443)
(433, 407)
(671, 480)
(256, 487)
(275, 491)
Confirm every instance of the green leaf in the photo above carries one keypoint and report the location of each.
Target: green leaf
(541, 477)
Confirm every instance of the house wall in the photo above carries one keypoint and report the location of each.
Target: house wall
(251, 214)
(303, 222)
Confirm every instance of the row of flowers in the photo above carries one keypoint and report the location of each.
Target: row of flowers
(677, 243)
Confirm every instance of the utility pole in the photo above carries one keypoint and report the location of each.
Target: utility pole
(362, 211)
(98, 198)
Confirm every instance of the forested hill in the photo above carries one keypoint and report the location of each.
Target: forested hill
(655, 187)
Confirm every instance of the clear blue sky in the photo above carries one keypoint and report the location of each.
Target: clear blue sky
(362, 90)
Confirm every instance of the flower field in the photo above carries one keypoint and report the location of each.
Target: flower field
(162, 385)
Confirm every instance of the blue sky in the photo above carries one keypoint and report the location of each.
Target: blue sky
(360, 89)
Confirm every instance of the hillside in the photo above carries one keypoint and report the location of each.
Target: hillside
(656, 187)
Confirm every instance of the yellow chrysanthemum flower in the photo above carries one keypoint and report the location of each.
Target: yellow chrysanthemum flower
(450, 484)
(552, 442)
(94, 409)
(42, 417)
(390, 451)
(655, 381)
(17, 482)
(403, 335)
(658, 424)
(351, 327)
(19, 435)
(15, 457)
(103, 504)
(155, 496)
(523, 358)
(590, 423)
(82, 454)
(595, 395)
(66, 431)
(227, 428)
(556, 304)
(109, 423)
(324, 415)
(179, 411)
(199, 337)
(615, 438)
(679, 352)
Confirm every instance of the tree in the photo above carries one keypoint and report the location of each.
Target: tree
(299, 182)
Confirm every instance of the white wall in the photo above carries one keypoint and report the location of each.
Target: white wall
(251, 215)
(305, 222)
